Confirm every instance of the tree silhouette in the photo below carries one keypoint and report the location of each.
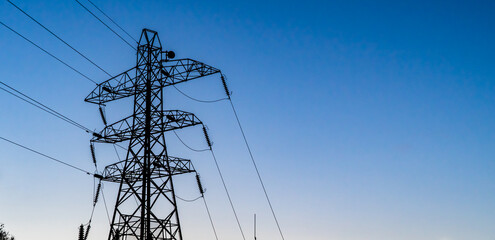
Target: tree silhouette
(4, 235)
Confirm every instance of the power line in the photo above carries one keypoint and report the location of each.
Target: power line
(51, 55)
(211, 220)
(199, 100)
(105, 203)
(112, 20)
(256, 168)
(228, 194)
(55, 35)
(44, 155)
(43, 107)
(190, 148)
(109, 28)
(188, 200)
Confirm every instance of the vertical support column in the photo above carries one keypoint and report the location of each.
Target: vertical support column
(147, 152)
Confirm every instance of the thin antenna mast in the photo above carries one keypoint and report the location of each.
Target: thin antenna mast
(255, 226)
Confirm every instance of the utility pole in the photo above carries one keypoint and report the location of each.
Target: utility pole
(146, 205)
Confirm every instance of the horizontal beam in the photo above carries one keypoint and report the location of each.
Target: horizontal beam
(171, 72)
(162, 121)
(159, 169)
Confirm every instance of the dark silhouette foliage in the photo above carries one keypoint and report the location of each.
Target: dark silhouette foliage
(4, 235)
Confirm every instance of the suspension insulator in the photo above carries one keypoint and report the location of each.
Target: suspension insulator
(87, 232)
(97, 194)
(207, 137)
(97, 135)
(225, 85)
(81, 232)
(117, 235)
(200, 186)
(102, 114)
(93, 155)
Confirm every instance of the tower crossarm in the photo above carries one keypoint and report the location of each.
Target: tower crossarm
(170, 72)
(159, 168)
(163, 121)
(182, 70)
(117, 87)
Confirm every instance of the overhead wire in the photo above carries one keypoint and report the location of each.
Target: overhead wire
(228, 93)
(41, 106)
(188, 200)
(46, 156)
(190, 148)
(49, 110)
(214, 157)
(211, 219)
(228, 194)
(51, 55)
(199, 100)
(105, 203)
(56, 36)
(101, 21)
(246, 143)
(94, 5)
(256, 168)
(72, 122)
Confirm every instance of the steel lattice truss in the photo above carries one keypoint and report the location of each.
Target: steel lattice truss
(145, 176)
(125, 84)
(124, 129)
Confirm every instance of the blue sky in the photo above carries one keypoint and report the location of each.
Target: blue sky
(369, 120)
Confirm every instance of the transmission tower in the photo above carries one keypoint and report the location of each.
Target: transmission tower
(146, 205)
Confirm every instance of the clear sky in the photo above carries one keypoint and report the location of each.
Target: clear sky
(370, 120)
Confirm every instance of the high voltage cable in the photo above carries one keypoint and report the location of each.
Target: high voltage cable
(44, 155)
(190, 148)
(105, 203)
(209, 216)
(87, 130)
(199, 100)
(187, 200)
(51, 55)
(202, 195)
(89, 11)
(228, 195)
(256, 168)
(43, 107)
(48, 109)
(55, 35)
(249, 150)
(112, 20)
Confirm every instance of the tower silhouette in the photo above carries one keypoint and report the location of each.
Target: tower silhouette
(146, 205)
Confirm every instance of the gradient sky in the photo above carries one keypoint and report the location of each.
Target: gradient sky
(369, 120)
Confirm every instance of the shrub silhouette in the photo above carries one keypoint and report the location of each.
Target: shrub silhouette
(4, 235)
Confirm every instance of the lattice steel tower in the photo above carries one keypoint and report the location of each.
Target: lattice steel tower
(146, 206)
